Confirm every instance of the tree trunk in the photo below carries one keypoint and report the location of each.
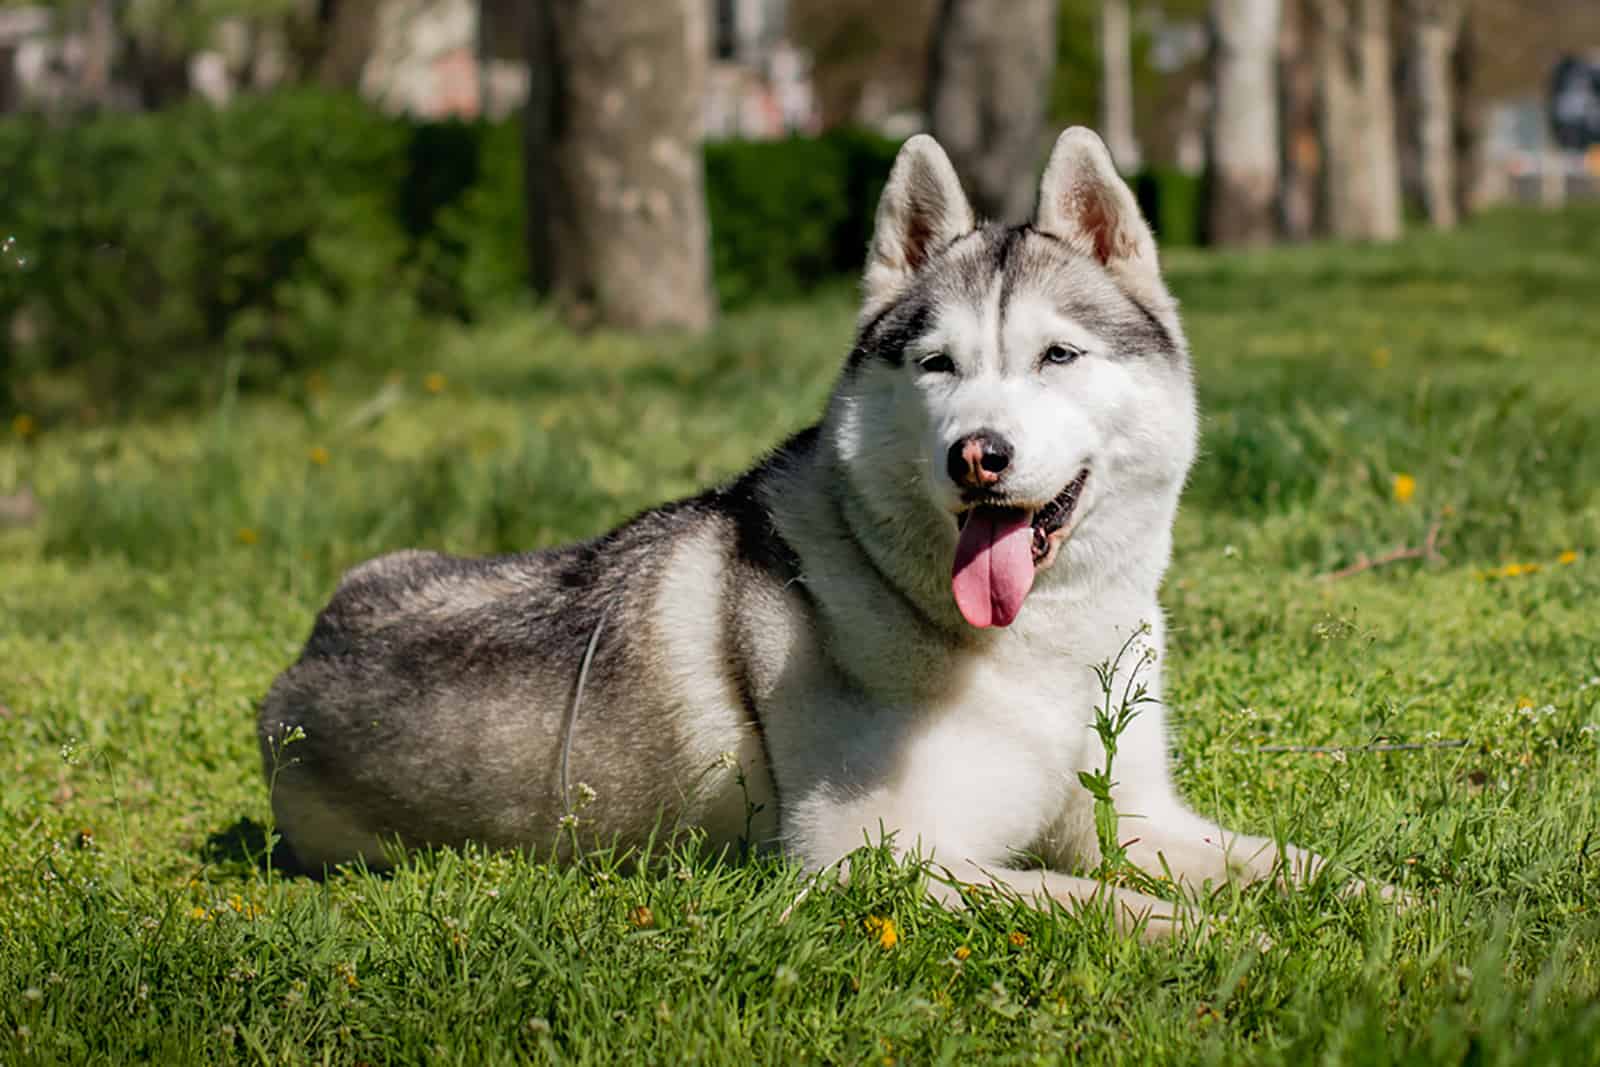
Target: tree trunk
(1435, 27)
(1116, 84)
(615, 180)
(1244, 121)
(1475, 179)
(1377, 93)
(1361, 167)
(988, 81)
(1301, 162)
(99, 49)
(10, 94)
(349, 33)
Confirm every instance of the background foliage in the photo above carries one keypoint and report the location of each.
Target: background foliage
(305, 226)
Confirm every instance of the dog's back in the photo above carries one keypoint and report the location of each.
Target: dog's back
(437, 699)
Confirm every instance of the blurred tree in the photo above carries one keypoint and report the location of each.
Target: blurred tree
(1469, 133)
(1361, 169)
(339, 41)
(1433, 29)
(615, 177)
(1297, 121)
(869, 59)
(988, 83)
(138, 52)
(1116, 84)
(1244, 122)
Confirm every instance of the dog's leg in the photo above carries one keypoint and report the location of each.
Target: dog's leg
(1165, 835)
(825, 851)
(1153, 918)
(1168, 837)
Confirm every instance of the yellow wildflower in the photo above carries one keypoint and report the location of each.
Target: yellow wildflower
(883, 930)
(24, 426)
(199, 914)
(434, 383)
(318, 455)
(1569, 556)
(963, 952)
(243, 908)
(1524, 703)
(1405, 487)
(1018, 938)
(246, 536)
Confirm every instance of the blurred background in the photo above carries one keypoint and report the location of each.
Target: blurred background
(292, 182)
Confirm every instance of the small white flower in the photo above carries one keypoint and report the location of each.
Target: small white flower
(727, 761)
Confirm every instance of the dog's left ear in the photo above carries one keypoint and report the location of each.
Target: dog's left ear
(921, 211)
(1084, 202)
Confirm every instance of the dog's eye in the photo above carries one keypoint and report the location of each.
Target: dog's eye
(1060, 355)
(938, 363)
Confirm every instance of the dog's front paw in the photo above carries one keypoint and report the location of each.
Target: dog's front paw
(1400, 899)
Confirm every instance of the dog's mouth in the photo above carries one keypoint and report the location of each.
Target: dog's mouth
(1000, 548)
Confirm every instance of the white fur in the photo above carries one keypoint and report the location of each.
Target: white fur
(970, 752)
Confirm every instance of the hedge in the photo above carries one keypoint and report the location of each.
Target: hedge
(303, 227)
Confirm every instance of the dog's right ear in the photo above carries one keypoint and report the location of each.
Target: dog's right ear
(921, 211)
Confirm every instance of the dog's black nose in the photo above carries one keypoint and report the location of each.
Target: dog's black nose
(978, 459)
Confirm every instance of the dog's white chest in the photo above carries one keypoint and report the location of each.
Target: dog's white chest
(995, 766)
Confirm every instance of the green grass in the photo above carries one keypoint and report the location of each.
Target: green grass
(183, 555)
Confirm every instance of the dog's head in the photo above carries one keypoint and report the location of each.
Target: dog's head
(1018, 404)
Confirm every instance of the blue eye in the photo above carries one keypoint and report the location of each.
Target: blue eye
(938, 363)
(1060, 355)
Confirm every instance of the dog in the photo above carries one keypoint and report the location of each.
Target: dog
(890, 626)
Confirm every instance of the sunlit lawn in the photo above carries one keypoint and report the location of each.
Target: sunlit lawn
(1354, 399)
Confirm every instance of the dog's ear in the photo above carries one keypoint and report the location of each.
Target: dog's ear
(1085, 202)
(922, 210)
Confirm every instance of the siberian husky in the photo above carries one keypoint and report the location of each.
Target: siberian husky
(890, 625)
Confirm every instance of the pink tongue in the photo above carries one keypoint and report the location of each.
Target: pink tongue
(994, 566)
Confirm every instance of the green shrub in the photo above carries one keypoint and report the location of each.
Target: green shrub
(306, 227)
(787, 215)
(475, 253)
(156, 241)
(1174, 203)
(774, 207)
